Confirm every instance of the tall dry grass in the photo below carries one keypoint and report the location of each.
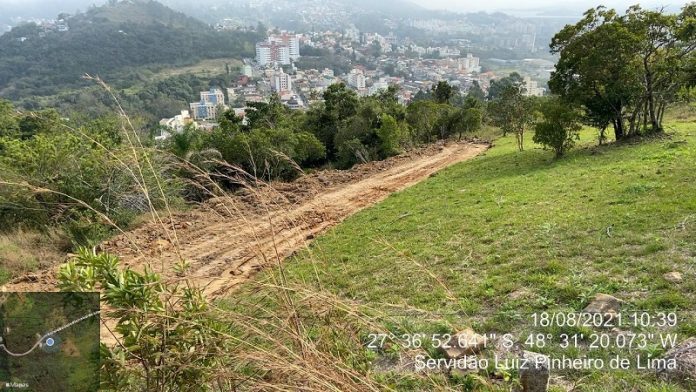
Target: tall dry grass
(23, 252)
(282, 336)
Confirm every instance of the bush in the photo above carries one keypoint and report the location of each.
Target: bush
(267, 153)
(390, 137)
(170, 341)
(352, 151)
(560, 128)
(356, 141)
(77, 177)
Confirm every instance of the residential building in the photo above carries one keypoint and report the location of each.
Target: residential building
(281, 82)
(263, 53)
(380, 85)
(532, 88)
(268, 53)
(278, 49)
(356, 79)
(207, 108)
(469, 64)
(352, 33)
(174, 124)
(293, 102)
(291, 41)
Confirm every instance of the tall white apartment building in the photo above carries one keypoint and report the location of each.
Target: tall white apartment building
(272, 53)
(469, 63)
(278, 49)
(281, 82)
(291, 41)
(263, 53)
(356, 79)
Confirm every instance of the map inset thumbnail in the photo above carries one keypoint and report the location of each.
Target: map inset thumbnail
(49, 342)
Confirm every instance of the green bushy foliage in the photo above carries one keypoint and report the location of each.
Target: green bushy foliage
(273, 141)
(170, 341)
(56, 172)
(560, 128)
(390, 136)
(267, 153)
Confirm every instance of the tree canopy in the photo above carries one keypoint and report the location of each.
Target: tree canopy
(624, 68)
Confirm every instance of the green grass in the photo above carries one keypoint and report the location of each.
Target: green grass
(488, 242)
(209, 68)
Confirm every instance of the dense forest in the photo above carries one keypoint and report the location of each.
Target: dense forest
(110, 41)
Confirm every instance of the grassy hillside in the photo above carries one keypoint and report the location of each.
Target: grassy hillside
(488, 242)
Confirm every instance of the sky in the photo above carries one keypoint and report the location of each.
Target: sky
(566, 8)
(511, 5)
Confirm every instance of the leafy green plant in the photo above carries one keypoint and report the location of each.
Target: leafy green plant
(167, 338)
(560, 128)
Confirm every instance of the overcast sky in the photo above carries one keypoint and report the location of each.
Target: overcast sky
(562, 6)
(494, 5)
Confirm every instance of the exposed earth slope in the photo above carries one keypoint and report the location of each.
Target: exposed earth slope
(227, 240)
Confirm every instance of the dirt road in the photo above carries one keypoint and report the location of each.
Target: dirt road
(227, 240)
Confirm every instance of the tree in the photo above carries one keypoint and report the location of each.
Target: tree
(597, 68)
(421, 117)
(324, 120)
(560, 127)
(389, 134)
(340, 101)
(421, 96)
(497, 87)
(269, 115)
(445, 120)
(389, 102)
(443, 92)
(183, 143)
(467, 120)
(476, 92)
(666, 43)
(622, 68)
(229, 121)
(512, 112)
(44, 121)
(8, 122)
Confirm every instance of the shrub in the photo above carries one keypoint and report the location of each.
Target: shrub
(268, 153)
(352, 151)
(169, 340)
(390, 136)
(78, 177)
(560, 127)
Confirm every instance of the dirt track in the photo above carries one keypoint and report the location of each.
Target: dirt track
(227, 240)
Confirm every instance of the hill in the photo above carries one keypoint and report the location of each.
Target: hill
(108, 41)
(489, 242)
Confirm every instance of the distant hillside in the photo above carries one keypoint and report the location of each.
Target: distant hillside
(106, 41)
(292, 14)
